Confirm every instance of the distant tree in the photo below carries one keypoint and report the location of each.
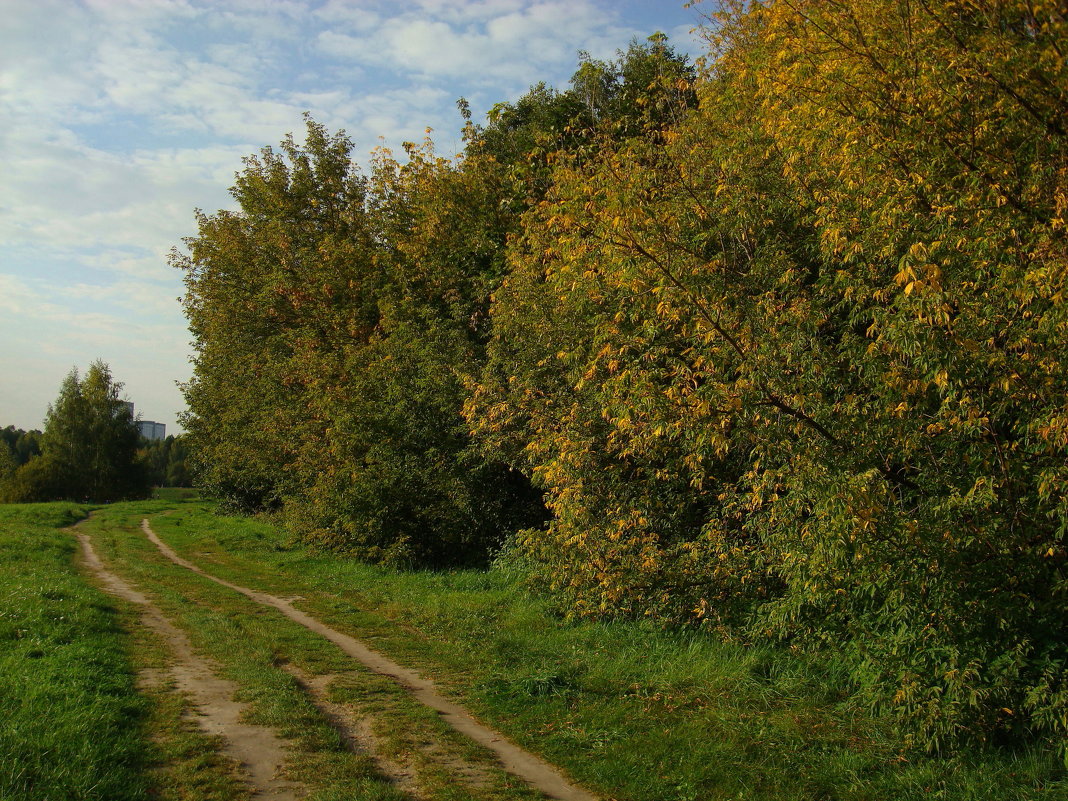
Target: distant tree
(37, 480)
(165, 461)
(178, 473)
(88, 448)
(27, 446)
(9, 436)
(22, 445)
(7, 462)
(153, 455)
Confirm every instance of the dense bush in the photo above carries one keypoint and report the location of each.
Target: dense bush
(797, 368)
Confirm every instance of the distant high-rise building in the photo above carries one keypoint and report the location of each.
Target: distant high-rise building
(149, 429)
(152, 430)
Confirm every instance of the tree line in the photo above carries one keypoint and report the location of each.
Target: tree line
(166, 461)
(21, 446)
(90, 449)
(773, 345)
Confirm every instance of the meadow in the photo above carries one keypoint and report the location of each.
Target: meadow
(629, 710)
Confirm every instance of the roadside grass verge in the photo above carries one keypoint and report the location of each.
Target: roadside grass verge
(71, 721)
(634, 712)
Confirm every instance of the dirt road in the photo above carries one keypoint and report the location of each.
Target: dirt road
(258, 749)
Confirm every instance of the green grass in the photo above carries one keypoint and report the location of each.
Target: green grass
(71, 722)
(176, 494)
(634, 712)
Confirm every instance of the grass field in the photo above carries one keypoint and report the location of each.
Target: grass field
(71, 722)
(634, 713)
(175, 494)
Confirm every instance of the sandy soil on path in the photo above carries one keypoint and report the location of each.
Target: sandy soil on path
(535, 771)
(256, 748)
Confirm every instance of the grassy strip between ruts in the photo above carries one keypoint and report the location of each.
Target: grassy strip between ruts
(633, 712)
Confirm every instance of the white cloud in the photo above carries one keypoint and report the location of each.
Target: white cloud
(141, 12)
(481, 42)
(341, 45)
(17, 297)
(90, 309)
(478, 10)
(122, 116)
(62, 192)
(342, 13)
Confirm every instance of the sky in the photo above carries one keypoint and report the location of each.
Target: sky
(118, 118)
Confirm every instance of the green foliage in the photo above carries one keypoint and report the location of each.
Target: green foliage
(88, 448)
(338, 397)
(22, 445)
(934, 171)
(37, 480)
(795, 367)
(166, 462)
(646, 87)
(268, 289)
(7, 463)
(71, 716)
(783, 342)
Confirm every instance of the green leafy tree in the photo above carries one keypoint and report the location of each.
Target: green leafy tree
(926, 142)
(165, 460)
(335, 321)
(7, 463)
(88, 448)
(273, 291)
(23, 445)
(395, 477)
(27, 446)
